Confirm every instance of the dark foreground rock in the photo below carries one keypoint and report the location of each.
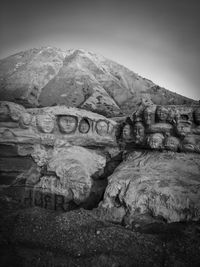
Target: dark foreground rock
(38, 237)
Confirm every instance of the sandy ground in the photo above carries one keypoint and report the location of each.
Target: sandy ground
(38, 237)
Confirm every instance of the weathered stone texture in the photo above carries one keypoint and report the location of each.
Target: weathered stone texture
(41, 153)
(162, 185)
(56, 124)
(169, 127)
(57, 154)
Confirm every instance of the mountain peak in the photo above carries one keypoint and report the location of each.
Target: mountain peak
(49, 76)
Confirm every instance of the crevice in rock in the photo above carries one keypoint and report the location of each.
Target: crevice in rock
(100, 184)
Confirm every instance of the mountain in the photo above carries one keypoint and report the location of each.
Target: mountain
(49, 76)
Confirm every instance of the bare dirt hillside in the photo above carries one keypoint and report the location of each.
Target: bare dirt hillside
(48, 76)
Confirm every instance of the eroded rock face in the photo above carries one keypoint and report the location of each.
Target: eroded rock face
(55, 124)
(74, 167)
(164, 185)
(42, 158)
(171, 127)
(66, 151)
(61, 176)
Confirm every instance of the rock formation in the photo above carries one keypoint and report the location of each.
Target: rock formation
(56, 158)
(138, 171)
(163, 185)
(167, 127)
(43, 153)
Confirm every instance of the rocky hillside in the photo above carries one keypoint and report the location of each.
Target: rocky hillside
(48, 76)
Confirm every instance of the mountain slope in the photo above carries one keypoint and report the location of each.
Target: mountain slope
(49, 76)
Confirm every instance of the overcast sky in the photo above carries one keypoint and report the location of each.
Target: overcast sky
(158, 39)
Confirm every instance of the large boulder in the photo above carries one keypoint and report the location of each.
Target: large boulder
(61, 179)
(160, 185)
(73, 168)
